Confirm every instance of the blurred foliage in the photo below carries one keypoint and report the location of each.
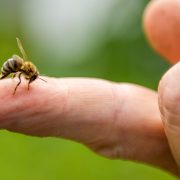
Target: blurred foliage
(114, 58)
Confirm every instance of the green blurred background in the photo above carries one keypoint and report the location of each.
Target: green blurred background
(92, 38)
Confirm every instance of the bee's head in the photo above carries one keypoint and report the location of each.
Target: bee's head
(33, 77)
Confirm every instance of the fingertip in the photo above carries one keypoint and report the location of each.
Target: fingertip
(170, 82)
(169, 103)
(169, 90)
(41, 102)
(161, 22)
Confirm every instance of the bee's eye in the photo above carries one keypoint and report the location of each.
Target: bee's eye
(33, 77)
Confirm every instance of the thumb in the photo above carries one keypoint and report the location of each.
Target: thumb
(169, 103)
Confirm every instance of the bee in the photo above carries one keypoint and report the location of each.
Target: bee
(18, 66)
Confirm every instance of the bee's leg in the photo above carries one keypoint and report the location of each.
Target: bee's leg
(2, 76)
(14, 75)
(19, 76)
(29, 84)
(30, 81)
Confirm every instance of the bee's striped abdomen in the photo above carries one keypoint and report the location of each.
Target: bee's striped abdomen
(10, 66)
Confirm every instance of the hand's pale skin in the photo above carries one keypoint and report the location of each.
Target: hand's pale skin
(119, 121)
(114, 120)
(162, 27)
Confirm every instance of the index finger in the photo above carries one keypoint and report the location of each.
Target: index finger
(107, 117)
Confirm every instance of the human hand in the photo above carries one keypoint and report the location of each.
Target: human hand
(114, 120)
(162, 26)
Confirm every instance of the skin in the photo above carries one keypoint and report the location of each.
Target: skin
(105, 116)
(118, 121)
(161, 25)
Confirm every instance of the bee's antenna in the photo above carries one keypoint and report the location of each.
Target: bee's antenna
(42, 79)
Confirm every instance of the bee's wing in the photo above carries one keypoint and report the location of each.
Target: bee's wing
(21, 49)
(18, 58)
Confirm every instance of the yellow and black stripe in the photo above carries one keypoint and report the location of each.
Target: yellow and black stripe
(10, 66)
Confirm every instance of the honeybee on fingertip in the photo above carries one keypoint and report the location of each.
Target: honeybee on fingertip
(18, 66)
